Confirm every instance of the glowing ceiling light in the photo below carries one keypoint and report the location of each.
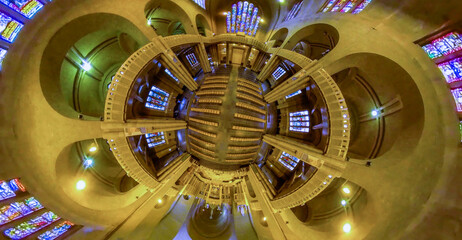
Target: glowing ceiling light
(225, 13)
(347, 228)
(80, 185)
(346, 190)
(343, 202)
(86, 66)
(149, 22)
(159, 200)
(374, 113)
(281, 1)
(264, 219)
(261, 20)
(93, 149)
(88, 163)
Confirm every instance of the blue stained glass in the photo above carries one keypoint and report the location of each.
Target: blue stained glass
(5, 191)
(9, 27)
(253, 21)
(299, 121)
(239, 16)
(361, 6)
(457, 94)
(244, 16)
(432, 51)
(348, 6)
(171, 75)
(338, 5)
(442, 46)
(249, 16)
(294, 94)
(157, 99)
(3, 53)
(33, 204)
(452, 70)
(256, 26)
(278, 73)
(233, 26)
(294, 11)
(155, 139)
(56, 231)
(27, 8)
(27, 228)
(4, 219)
(331, 2)
(454, 40)
(228, 22)
(288, 161)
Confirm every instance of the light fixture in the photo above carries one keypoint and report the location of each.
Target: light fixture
(264, 219)
(86, 66)
(347, 228)
(375, 113)
(149, 22)
(343, 202)
(159, 200)
(93, 149)
(281, 1)
(88, 163)
(261, 20)
(346, 190)
(80, 185)
(225, 13)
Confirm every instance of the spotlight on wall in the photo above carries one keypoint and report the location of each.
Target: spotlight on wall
(88, 163)
(347, 228)
(343, 202)
(346, 190)
(86, 66)
(80, 185)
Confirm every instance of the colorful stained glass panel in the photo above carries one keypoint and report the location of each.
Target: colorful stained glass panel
(288, 161)
(27, 8)
(155, 139)
(457, 94)
(27, 228)
(294, 94)
(9, 27)
(299, 121)
(452, 70)
(361, 6)
(329, 5)
(33, 204)
(157, 99)
(56, 231)
(278, 73)
(171, 75)
(5, 191)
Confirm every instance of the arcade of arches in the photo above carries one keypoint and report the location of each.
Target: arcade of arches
(263, 119)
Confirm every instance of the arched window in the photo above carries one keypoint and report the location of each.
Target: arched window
(300, 121)
(155, 139)
(345, 6)
(244, 18)
(26, 8)
(294, 11)
(157, 99)
(289, 161)
(278, 73)
(171, 75)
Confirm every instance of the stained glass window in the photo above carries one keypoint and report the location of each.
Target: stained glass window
(17, 210)
(2, 56)
(155, 139)
(457, 93)
(294, 94)
(192, 60)
(200, 3)
(452, 70)
(27, 8)
(33, 204)
(9, 27)
(443, 46)
(56, 231)
(344, 6)
(278, 73)
(5, 191)
(289, 161)
(16, 185)
(460, 130)
(294, 11)
(244, 18)
(29, 227)
(300, 121)
(171, 75)
(157, 99)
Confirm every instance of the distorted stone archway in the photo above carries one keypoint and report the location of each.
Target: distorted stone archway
(279, 37)
(168, 18)
(203, 26)
(58, 80)
(313, 41)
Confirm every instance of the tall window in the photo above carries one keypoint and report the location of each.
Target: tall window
(200, 3)
(294, 94)
(460, 130)
(171, 75)
(278, 73)
(2, 56)
(155, 139)
(445, 52)
(294, 11)
(289, 161)
(157, 99)
(192, 60)
(24, 7)
(300, 121)
(345, 6)
(244, 18)
(9, 27)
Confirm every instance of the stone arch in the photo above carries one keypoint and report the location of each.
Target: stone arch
(279, 37)
(313, 41)
(203, 26)
(64, 39)
(163, 15)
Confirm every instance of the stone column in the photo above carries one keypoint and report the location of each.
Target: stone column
(265, 205)
(307, 153)
(273, 62)
(203, 58)
(296, 82)
(141, 126)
